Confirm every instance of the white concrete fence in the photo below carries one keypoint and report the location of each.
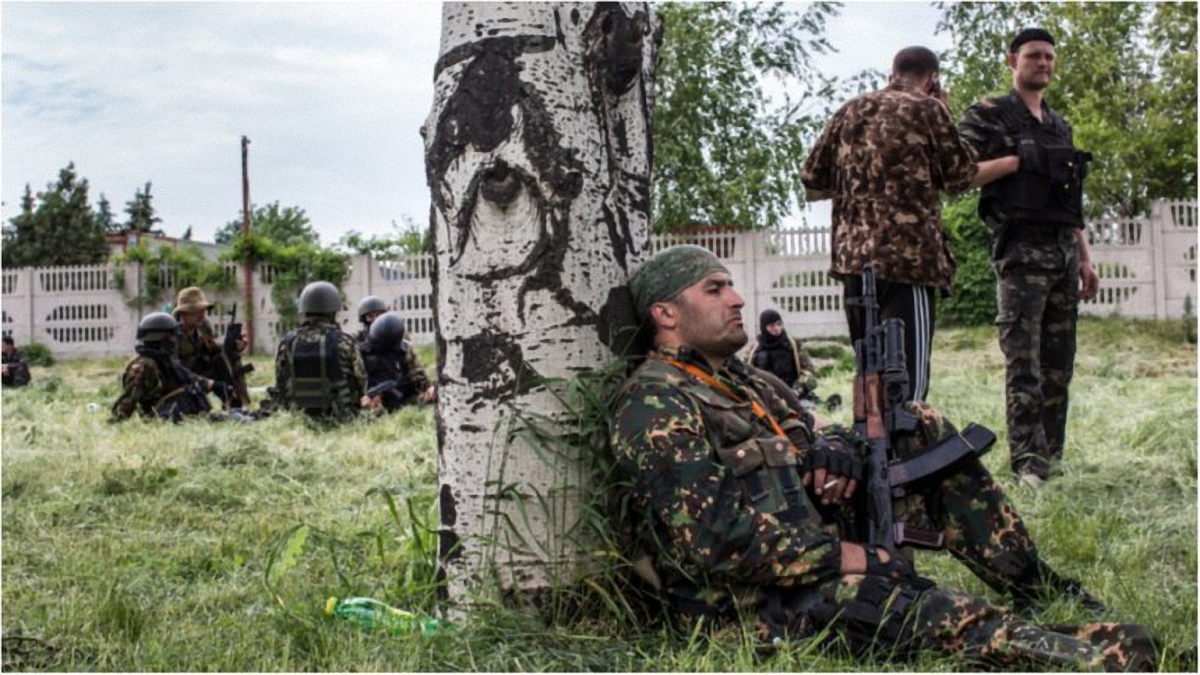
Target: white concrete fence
(1147, 269)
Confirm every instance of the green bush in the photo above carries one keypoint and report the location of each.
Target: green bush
(37, 354)
(973, 299)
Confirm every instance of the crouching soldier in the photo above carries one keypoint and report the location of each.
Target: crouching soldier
(16, 371)
(156, 383)
(395, 376)
(318, 369)
(200, 352)
(369, 308)
(736, 505)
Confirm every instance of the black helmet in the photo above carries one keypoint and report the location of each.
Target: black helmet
(320, 297)
(387, 331)
(156, 327)
(370, 304)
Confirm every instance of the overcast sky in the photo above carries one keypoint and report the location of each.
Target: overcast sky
(331, 95)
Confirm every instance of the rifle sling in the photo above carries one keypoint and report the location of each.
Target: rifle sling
(975, 439)
(759, 411)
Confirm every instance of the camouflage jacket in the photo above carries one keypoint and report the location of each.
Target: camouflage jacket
(883, 157)
(147, 388)
(401, 365)
(704, 472)
(199, 350)
(18, 370)
(350, 363)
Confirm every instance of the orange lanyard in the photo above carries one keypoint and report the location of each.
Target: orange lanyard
(720, 386)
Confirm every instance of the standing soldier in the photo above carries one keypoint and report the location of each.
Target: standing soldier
(1039, 251)
(883, 158)
(156, 383)
(389, 357)
(16, 371)
(198, 347)
(734, 505)
(317, 367)
(369, 309)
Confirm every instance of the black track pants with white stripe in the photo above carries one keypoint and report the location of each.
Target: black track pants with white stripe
(915, 306)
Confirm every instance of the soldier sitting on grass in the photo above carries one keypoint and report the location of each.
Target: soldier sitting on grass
(318, 369)
(156, 383)
(392, 360)
(736, 506)
(16, 371)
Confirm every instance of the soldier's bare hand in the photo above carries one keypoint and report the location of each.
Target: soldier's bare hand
(5, 370)
(242, 343)
(429, 395)
(1089, 281)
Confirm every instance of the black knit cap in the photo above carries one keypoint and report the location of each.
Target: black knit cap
(768, 317)
(1030, 35)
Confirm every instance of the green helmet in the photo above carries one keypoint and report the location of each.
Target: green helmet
(320, 297)
(369, 304)
(387, 331)
(156, 327)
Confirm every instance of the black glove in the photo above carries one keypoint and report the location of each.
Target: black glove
(834, 455)
(897, 568)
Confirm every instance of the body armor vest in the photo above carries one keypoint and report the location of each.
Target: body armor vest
(1048, 187)
(317, 378)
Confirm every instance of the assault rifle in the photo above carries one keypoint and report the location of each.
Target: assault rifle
(880, 390)
(382, 388)
(233, 361)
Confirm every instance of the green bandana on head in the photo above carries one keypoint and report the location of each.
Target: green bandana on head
(669, 273)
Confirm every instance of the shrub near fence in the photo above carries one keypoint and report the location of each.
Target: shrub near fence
(1147, 269)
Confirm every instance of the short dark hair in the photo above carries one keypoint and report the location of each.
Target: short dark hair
(9, 341)
(1030, 35)
(918, 61)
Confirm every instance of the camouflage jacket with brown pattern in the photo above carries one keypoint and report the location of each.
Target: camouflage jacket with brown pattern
(883, 158)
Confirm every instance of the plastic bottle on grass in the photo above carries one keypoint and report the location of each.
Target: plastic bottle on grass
(372, 614)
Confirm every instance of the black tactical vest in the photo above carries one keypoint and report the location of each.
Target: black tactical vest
(1047, 190)
(183, 395)
(318, 383)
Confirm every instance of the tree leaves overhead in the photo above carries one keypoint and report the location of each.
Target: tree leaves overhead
(58, 227)
(1125, 81)
(286, 226)
(724, 152)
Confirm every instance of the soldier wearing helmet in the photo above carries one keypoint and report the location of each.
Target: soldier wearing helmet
(156, 383)
(390, 358)
(369, 309)
(318, 369)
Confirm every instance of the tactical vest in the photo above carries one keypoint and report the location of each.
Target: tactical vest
(183, 395)
(1047, 190)
(765, 465)
(318, 384)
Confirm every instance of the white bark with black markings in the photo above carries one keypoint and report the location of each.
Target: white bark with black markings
(538, 153)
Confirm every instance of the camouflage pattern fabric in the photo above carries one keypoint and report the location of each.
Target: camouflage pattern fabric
(18, 371)
(146, 386)
(1037, 270)
(346, 399)
(707, 493)
(199, 351)
(883, 157)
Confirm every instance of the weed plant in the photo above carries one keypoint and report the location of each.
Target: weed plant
(157, 547)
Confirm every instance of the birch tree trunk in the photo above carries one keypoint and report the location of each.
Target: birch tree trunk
(538, 154)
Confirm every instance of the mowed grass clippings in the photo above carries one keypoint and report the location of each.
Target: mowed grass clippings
(157, 547)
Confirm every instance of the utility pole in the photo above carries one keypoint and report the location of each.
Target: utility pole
(246, 232)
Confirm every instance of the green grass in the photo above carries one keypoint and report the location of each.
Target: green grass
(152, 547)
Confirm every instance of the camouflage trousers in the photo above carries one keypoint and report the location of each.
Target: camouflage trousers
(875, 617)
(1038, 298)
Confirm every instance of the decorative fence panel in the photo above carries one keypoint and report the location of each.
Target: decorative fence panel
(1147, 269)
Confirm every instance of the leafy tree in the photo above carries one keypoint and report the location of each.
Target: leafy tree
(724, 153)
(142, 217)
(58, 228)
(1126, 81)
(286, 226)
(105, 217)
(408, 240)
